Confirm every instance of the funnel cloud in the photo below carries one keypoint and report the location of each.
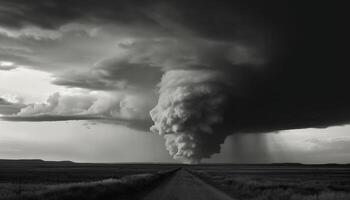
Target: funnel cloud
(189, 113)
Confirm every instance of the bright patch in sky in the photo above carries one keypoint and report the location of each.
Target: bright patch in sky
(6, 63)
(309, 146)
(31, 85)
(89, 142)
(79, 141)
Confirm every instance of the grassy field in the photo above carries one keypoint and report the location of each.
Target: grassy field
(36, 179)
(283, 181)
(46, 172)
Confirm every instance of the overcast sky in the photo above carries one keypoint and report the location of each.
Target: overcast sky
(113, 81)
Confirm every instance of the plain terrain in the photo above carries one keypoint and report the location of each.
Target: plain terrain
(37, 179)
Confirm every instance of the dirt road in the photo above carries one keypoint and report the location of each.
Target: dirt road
(185, 186)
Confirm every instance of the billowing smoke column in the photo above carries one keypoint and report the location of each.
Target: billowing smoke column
(190, 111)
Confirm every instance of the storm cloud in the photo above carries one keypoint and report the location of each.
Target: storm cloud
(277, 64)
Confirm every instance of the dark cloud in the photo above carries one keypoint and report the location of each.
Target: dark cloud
(9, 108)
(224, 20)
(145, 60)
(287, 59)
(4, 102)
(53, 13)
(305, 86)
(112, 75)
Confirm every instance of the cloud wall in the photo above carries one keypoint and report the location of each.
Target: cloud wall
(189, 113)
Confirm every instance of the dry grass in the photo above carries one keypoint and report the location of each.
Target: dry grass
(124, 188)
(329, 195)
(287, 185)
(14, 189)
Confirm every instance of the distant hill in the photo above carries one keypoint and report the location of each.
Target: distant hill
(32, 162)
(67, 162)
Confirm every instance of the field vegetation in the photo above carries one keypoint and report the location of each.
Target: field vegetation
(279, 182)
(39, 180)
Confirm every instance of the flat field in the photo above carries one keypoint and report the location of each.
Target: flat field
(36, 179)
(279, 181)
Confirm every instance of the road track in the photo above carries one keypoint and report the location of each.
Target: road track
(185, 186)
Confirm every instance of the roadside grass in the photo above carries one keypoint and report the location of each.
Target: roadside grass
(328, 195)
(13, 189)
(280, 187)
(128, 187)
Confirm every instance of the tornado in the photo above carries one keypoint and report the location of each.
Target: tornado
(190, 113)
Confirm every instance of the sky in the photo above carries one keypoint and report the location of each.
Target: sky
(173, 81)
